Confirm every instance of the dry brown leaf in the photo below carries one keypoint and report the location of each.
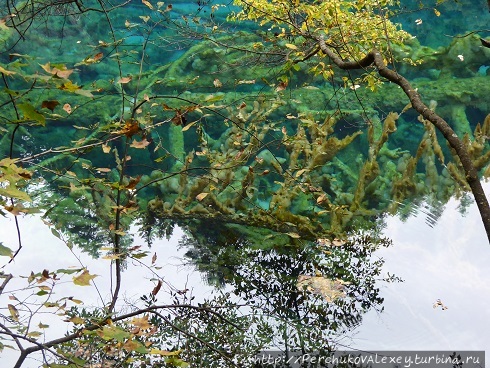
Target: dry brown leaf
(49, 104)
(125, 80)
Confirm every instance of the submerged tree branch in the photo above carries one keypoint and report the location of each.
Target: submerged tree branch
(374, 58)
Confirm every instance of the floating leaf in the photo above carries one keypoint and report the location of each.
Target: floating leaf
(331, 290)
(84, 278)
(67, 108)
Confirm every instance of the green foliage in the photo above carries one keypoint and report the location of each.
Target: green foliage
(252, 143)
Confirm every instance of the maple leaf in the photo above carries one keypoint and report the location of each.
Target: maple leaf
(131, 127)
(139, 144)
(49, 104)
(84, 278)
(142, 323)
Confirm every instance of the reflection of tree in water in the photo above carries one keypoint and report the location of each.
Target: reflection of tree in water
(275, 273)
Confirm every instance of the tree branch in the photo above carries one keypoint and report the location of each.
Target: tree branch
(374, 58)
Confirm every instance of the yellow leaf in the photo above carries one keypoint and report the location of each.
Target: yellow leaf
(321, 198)
(142, 323)
(14, 313)
(76, 320)
(189, 125)
(6, 72)
(106, 148)
(147, 3)
(134, 345)
(294, 235)
(201, 196)
(299, 173)
(291, 46)
(84, 278)
(164, 352)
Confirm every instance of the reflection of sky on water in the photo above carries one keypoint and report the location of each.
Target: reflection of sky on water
(449, 262)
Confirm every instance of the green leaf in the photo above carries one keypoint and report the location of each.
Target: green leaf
(113, 333)
(31, 113)
(13, 192)
(55, 233)
(68, 271)
(213, 98)
(4, 251)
